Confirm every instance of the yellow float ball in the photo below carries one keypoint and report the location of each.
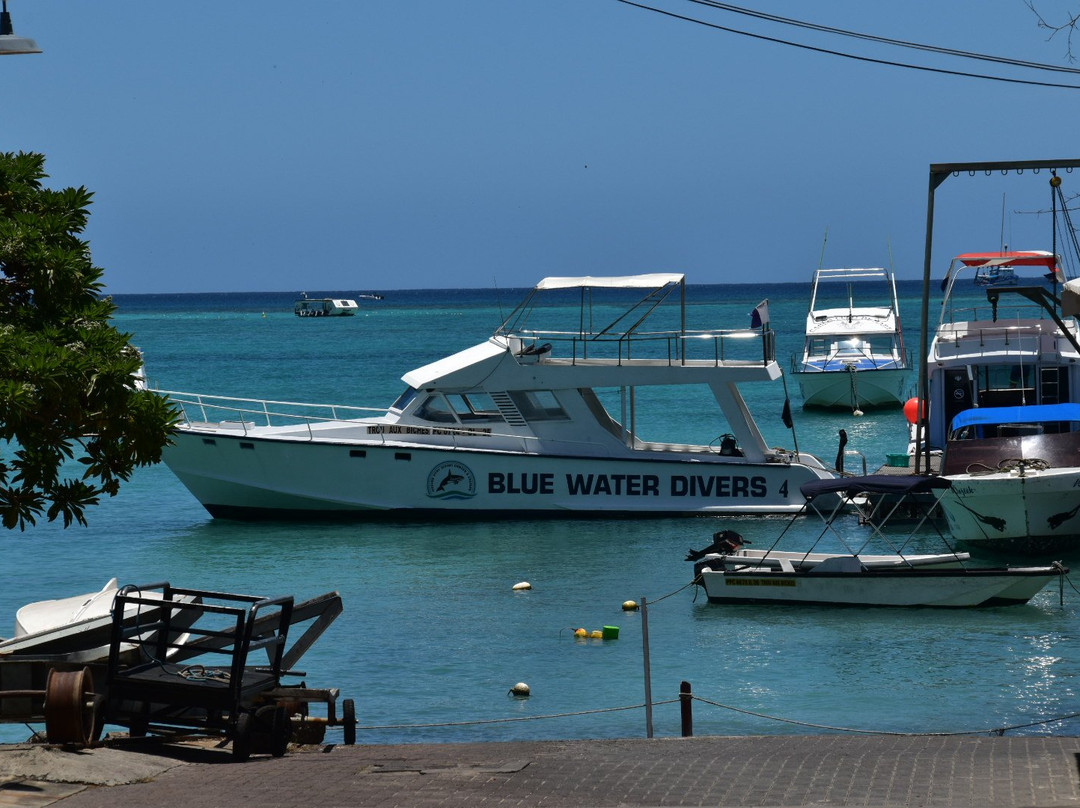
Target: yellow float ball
(581, 633)
(629, 606)
(597, 635)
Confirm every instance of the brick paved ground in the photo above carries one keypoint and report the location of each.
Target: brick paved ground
(800, 770)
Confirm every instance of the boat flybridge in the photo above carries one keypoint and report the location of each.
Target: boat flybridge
(529, 422)
(1014, 347)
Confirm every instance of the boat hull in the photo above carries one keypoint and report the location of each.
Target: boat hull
(244, 476)
(863, 389)
(1038, 511)
(952, 588)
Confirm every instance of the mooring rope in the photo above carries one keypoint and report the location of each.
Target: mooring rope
(857, 731)
(518, 718)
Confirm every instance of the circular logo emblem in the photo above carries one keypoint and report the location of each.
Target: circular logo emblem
(451, 480)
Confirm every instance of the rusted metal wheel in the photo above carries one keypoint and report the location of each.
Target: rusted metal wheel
(70, 707)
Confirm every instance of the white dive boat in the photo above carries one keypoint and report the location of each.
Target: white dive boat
(1013, 348)
(324, 307)
(855, 577)
(1015, 474)
(853, 355)
(515, 425)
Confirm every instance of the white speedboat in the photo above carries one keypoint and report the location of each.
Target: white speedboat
(1012, 348)
(324, 307)
(516, 424)
(1015, 474)
(857, 578)
(853, 355)
(76, 628)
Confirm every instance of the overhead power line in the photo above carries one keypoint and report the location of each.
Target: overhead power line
(868, 59)
(885, 40)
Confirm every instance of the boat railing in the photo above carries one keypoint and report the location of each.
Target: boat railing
(246, 414)
(259, 412)
(984, 312)
(1002, 334)
(716, 347)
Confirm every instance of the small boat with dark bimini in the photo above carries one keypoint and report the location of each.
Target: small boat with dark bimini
(731, 574)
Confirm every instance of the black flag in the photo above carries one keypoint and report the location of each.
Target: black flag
(785, 416)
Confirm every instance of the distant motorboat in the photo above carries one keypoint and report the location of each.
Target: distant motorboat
(324, 307)
(853, 354)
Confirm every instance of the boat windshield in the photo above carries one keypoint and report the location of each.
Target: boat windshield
(404, 399)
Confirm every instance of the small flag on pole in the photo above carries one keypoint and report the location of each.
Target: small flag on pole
(785, 416)
(759, 317)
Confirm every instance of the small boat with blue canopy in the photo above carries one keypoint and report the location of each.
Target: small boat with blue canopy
(1015, 473)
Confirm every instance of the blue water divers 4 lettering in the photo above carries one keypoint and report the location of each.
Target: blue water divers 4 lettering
(627, 485)
(451, 480)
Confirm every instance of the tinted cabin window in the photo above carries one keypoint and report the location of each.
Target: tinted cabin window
(538, 405)
(474, 407)
(404, 399)
(436, 409)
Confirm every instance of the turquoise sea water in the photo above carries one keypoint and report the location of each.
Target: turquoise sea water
(432, 632)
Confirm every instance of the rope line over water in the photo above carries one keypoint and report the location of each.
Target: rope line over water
(856, 731)
(999, 731)
(512, 720)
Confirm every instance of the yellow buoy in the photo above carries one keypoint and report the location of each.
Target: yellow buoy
(581, 633)
(629, 605)
(597, 635)
(521, 587)
(521, 690)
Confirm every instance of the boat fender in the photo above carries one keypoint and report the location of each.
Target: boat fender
(912, 410)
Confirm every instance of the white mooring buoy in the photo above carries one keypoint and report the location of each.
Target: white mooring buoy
(520, 690)
(522, 587)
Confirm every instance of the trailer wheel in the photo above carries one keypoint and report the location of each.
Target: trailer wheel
(241, 742)
(70, 707)
(280, 732)
(348, 721)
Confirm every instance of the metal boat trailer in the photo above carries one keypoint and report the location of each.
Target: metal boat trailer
(178, 665)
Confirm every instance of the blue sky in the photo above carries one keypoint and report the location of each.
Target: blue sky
(349, 146)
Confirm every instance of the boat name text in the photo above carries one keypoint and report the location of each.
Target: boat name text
(630, 485)
(394, 429)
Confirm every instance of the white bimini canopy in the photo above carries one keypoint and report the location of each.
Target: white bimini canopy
(652, 281)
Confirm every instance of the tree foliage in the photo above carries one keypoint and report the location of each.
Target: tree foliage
(74, 422)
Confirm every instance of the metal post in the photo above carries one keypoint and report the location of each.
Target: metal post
(686, 709)
(648, 673)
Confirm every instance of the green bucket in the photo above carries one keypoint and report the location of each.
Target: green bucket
(610, 632)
